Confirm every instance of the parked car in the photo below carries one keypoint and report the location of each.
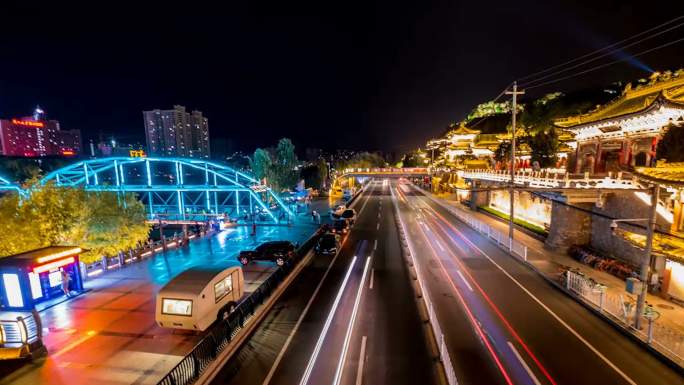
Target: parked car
(340, 226)
(197, 297)
(328, 243)
(349, 215)
(274, 251)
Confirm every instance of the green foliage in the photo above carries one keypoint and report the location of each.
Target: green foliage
(283, 173)
(410, 160)
(113, 224)
(315, 175)
(362, 160)
(529, 226)
(260, 163)
(277, 166)
(52, 215)
(503, 152)
(671, 146)
(544, 147)
(491, 108)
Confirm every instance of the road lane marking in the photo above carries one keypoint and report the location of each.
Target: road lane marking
(375, 245)
(288, 341)
(377, 227)
(350, 327)
(370, 286)
(326, 326)
(74, 344)
(471, 317)
(464, 280)
(440, 246)
(548, 310)
(362, 361)
(378, 215)
(524, 364)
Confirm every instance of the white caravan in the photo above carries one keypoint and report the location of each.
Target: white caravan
(199, 296)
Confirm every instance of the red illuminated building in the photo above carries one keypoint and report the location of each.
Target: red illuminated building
(34, 136)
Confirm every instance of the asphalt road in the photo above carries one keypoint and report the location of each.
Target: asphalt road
(503, 323)
(347, 319)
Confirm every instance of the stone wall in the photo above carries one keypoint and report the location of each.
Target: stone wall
(621, 205)
(569, 226)
(478, 198)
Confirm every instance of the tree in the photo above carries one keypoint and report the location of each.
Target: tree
(283, 170)
(410, 160)
(362, 160)
(544, 147)
(113, 224)
(103, 223)
(503, 152)
(315, 175)
(260, 163)
(278, 166)
(671, 146)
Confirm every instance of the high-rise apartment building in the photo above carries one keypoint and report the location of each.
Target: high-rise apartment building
(176, 133)
(35, 136)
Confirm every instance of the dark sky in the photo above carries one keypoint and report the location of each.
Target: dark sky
(385, 75)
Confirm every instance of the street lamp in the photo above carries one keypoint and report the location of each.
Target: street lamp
(646, 258)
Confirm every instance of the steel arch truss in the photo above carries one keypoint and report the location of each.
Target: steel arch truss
(6, 185)
(177, 186)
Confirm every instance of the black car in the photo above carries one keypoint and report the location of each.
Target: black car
(327, 244)
(340, 226)
(274, 251)
(349, 215)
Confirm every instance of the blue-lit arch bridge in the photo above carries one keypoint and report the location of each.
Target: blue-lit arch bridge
(178, 187)
(6, 185)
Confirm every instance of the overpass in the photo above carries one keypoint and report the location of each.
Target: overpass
(179, 186)
(6, 185)
(386, 172)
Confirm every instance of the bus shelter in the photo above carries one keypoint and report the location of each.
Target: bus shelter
(40, 275)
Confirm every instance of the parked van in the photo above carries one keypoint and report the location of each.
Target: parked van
(198, 297)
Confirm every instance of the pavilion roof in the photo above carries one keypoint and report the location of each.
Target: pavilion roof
(667, 87)
(671, 174)
(463, 130)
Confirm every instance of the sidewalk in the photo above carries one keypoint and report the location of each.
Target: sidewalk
(670, 324)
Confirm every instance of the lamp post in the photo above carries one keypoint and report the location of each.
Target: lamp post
(648, 250)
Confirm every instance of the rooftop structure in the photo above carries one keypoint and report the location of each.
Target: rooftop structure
(625, 132)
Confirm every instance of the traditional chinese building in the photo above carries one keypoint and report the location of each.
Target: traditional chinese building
(670, 177)
(462, 142)
(625, 132)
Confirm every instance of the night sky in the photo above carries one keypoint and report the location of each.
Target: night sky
(385, 75)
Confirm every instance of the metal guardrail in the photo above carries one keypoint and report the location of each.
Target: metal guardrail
(219, 336)
(513, 247)
(622, 310)
(432, 317)
(221, 333)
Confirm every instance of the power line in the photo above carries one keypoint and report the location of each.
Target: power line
(606, 64)
(601, 49)
(601, 56)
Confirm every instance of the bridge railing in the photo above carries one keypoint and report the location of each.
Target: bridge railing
(386, 170)
(554, 179)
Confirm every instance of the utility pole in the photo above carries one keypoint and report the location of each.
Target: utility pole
(514, 111)
(646, 259)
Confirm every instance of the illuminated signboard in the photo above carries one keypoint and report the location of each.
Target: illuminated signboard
(28, 123)
(137, 153)
(68, 152)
